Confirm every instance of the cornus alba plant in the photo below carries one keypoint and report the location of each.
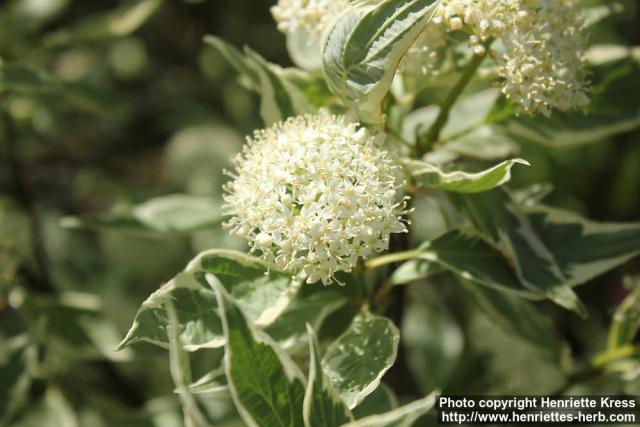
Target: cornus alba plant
(393, 105)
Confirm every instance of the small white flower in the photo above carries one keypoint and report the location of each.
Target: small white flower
(479, 49)
(314, 194)
(456, 23)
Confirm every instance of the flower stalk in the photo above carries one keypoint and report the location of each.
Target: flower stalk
(424, 144)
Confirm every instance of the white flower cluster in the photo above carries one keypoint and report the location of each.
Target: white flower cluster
(542, 62)
(540, 46)
(312, 16)
(314, 194)
(485, 18)
(541, 57)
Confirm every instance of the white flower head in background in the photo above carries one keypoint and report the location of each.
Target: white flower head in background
(314, 194)
(543, 58)
(540, 48)
(312, 16)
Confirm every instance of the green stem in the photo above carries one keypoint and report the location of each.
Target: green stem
(392, 258)
(423, 145)
(596, 367)
(609, 356)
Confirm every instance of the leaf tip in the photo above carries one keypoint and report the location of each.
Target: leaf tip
(123, 345)
(522, 162)
(567, 298)
(209, 39)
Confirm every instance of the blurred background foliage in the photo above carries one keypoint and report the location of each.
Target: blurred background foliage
(119, 108)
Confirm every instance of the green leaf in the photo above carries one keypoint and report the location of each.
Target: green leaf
(195, 307)
(469, 132)
(469, 112)
(472, 258)
(626, 319)
(23, 79)
(551, 250)
(237, 60)
(578, 249)
(380, 401)
(14, 377)
(403, 416)
(599, 54)
(15, 241)
(516, 317)
(117, 23)
(356, 361)
(533, 194)
(181, 370)
(21, 21)
(211, 383)
(429, 175)
(280, 98)
(73, 325)
(434, 352)
(262, 294)
(52, 411)
(323, 407)
(173, 214)
(487, 142)
(265, 384)
(413, 270)
(364, 47)
(584, 249)
(313, 86)
(507, 227)
(509, 366)
(289, 329)
(569, 131)
(304, 49)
